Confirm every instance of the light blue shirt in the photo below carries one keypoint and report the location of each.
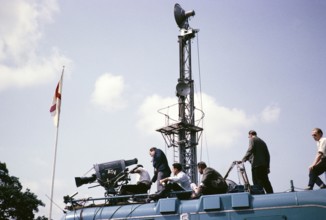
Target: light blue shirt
(182, 179)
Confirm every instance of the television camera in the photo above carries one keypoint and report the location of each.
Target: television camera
(111, 175)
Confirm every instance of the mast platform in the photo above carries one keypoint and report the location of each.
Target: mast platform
(177, 127)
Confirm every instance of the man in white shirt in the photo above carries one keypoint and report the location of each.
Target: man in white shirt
(179, 181)
(142, 185)
(319, 165)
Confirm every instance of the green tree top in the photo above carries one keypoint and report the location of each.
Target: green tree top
(14, 203)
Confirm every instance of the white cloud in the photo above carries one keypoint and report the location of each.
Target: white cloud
(270, 114)
(150, 119)
(36, 71)
(108, 92)
(20, 33)
(222, 125)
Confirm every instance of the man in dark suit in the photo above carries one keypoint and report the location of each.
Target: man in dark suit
(161, 166)
(212, 182)
(258, 155)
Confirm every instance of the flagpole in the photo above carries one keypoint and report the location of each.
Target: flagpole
(55, 147)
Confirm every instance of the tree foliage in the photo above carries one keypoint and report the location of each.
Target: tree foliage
(15, 203)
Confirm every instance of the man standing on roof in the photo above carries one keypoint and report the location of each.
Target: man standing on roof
(161, 166)
(258, 156)
(319, 164)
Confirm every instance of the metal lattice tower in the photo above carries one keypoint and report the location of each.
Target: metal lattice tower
(184, 135)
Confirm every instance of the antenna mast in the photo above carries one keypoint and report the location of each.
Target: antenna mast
(184, 135)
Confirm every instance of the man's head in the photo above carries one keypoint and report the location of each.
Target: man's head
(252, 133)
(316, 133)
(152, 151)
(176, 168)
(201, 166)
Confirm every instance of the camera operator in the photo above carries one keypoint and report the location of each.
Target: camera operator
(143, 182)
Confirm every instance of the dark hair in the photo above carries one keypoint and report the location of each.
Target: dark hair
(152, 149)
(202, 165)
(252, 132)
(319, 131)
(177, 166)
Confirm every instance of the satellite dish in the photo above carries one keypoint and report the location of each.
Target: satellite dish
(183, 89)
(181, 17)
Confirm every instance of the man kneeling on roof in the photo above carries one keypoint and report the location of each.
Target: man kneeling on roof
(177, 182)
(211, 183)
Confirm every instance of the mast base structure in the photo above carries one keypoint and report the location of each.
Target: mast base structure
(184, 149)
(184, 135)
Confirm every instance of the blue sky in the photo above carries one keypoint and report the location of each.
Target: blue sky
(261, 65)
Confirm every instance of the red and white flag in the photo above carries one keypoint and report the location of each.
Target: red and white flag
(56, 103)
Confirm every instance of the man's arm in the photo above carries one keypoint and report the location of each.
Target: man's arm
(316, 161)
(197, 190)
(165, 180)
(175, 179)
(249, 151)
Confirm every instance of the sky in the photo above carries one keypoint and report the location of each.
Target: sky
(256, 64)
